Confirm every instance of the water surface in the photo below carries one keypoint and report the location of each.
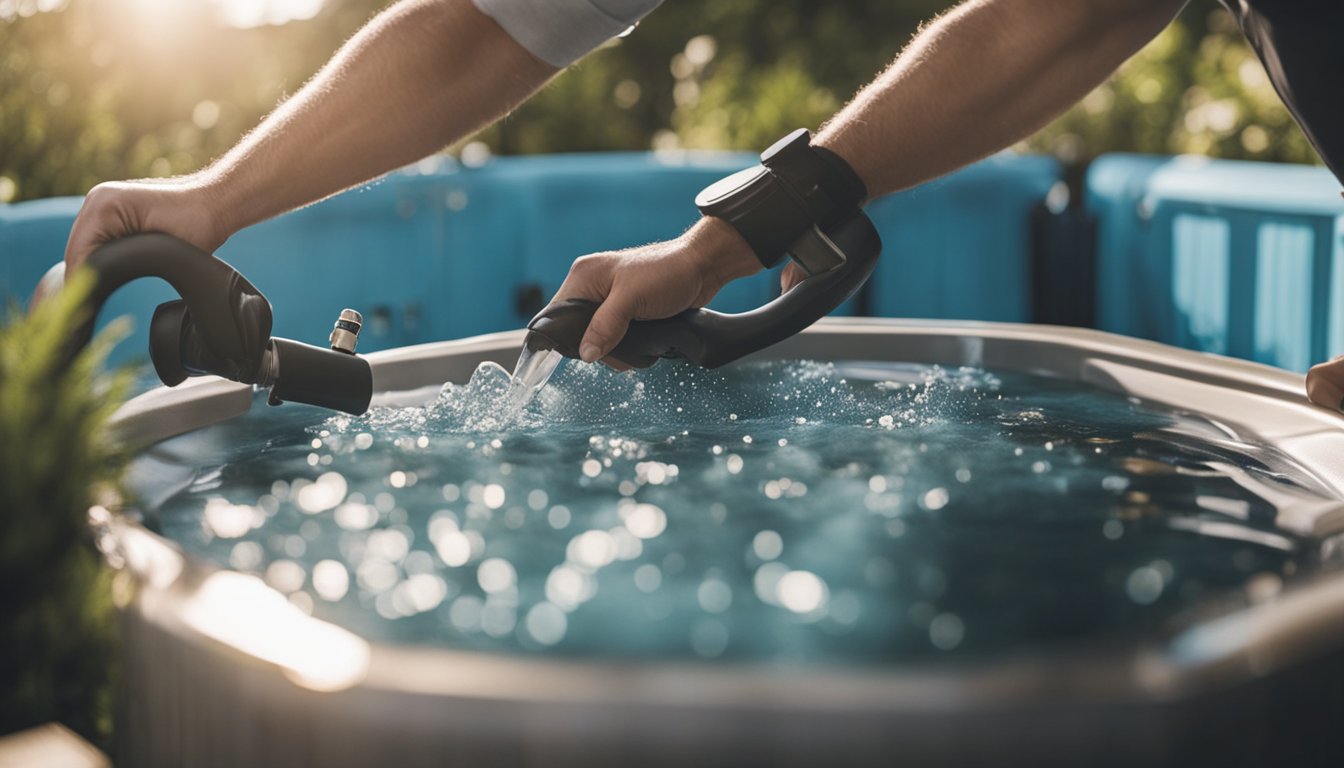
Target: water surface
(858, 513)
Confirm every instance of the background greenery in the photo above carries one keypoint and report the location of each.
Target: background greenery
(92, 90)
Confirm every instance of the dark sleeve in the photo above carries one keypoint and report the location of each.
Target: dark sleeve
(1301, 44)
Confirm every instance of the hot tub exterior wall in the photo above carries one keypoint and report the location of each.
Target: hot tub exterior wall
(184, 703)
(1241, 259)
(441, 250)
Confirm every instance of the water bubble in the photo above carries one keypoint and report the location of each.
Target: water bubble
(934, 499)
(389, 544)
(1145, 585)
(592, 468)
(465, 613)
(714, 595)
(546, 623)
(356, 517)
(593, 549)
(330, 580)
(421, 592)
(454, 548)
(733, 463)
(648, 578)
(628, 545)
(1115, 483)
(946, 631)
(537, 500)
(285, 575)
(767, 545)
(1112, 529)
(493, 496)
(246, 555)
(558, 517)
(497, 619)
(228, 521)
(569, 587)
(496, 575)
(376, 575)
(801, 591)
(646, 521)
(845, 608)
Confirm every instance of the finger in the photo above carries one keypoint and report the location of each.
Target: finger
(608, 326)
(1325, 384)
(88, 232)
(589, 278)
(50, 283)
(790, 277)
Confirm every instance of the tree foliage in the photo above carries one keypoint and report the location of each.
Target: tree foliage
(101, 89)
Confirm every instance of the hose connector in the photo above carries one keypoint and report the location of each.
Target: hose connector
(345, 333)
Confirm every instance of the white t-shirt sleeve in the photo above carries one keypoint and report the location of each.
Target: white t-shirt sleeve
(560, 31)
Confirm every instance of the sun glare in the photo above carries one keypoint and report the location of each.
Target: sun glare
(256, 13)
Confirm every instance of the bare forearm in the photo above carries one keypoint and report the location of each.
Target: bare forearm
(986, 75)
(422, 75)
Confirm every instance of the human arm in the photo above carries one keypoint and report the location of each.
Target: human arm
(421, 75)
(978, 79)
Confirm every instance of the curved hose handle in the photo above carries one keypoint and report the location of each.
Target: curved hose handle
(710, 338)
(230, 318)
(221, 326)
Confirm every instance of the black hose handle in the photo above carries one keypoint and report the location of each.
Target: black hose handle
(232, 317)
(710, 338)
(221, 326)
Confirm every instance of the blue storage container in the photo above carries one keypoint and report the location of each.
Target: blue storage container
(1238, 258)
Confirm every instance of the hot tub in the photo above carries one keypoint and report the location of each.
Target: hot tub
(221, 670)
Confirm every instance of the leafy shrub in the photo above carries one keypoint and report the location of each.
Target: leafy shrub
(56, 637)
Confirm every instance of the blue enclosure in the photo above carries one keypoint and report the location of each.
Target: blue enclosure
(1242, 259)
(1239, 258)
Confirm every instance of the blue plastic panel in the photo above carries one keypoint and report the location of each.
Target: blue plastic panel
(1231, 257)
(960, 247)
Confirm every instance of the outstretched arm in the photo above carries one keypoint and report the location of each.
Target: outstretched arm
(981, 77)
(420, 76)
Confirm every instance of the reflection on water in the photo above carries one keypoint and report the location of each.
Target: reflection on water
(857, 513)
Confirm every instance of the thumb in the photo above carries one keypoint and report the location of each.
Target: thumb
(1325, 384)
(49, 285)
(790, 277)
(608, 326)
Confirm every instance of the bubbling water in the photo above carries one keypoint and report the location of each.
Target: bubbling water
(801, 511)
